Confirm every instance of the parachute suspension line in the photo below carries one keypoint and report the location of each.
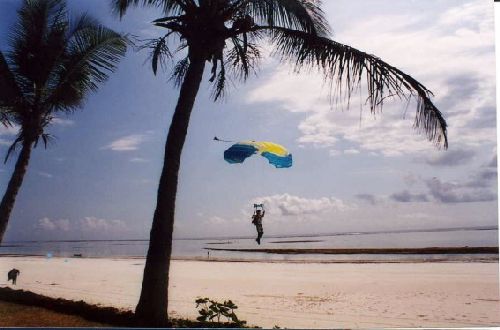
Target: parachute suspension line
(221, 140)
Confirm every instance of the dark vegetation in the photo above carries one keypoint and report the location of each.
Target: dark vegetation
(95, 315)
(211, 310)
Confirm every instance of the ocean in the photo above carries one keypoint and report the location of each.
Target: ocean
(199, 249)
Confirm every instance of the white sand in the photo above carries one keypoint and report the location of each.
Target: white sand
(289, 295)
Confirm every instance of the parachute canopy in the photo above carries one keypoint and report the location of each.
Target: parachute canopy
(275, 153)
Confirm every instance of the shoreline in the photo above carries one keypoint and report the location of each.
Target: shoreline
(474, 259)
(416, 251)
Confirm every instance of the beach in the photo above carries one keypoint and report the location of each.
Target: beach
(293, 295)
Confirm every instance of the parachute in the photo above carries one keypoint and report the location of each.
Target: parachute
(276, 154)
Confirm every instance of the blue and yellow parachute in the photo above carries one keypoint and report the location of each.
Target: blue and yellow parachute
(275, 153)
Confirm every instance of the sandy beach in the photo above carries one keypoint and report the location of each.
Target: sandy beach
(313, 295)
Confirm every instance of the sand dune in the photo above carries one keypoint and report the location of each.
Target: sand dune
(295, 295)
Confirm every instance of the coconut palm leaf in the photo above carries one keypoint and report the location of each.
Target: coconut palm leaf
(50, 66)
(347, 66)
(168, 7)
(303, 15)
(244, 58)
(10, 95)
(179, 71)
(36, 40)
(93, 52)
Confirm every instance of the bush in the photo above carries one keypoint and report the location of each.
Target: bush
(211, 311)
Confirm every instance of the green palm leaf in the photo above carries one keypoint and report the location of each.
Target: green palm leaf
(347, 66)
(303, 15)
(93, 52)
(168, 7)
(52, 64)
(10, 95)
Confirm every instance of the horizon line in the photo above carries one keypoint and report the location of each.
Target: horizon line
(488, 227)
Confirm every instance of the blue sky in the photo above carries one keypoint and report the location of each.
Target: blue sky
(99, 179)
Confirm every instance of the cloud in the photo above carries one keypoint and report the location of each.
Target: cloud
(442, 52)
(410, 179)
(351, 152)
(9, 130)
(454, 157)
(90, 225)
(289, 205)
(138, 160)
(493, 162)
(407, 197)
(215, 220)
(62, 122)
(7, 134)
(485, 177)
(45, 174)
(126, 143)
(368, 198)
(446, 192)
(52, 225)
(94, 224)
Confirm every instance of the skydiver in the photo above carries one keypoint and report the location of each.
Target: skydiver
(257, 221)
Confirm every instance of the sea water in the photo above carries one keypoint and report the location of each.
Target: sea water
(213, 249)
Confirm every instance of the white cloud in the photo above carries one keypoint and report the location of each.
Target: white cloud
(452, 55)
(90, 225)
(215, 220)
(138, 160)
(94, 224)
(45, 174)
(62, 122)
(126, 143)
(351, 152)
(454, 157)
(7, 134)
(51, 225)
(46, 224)
(289, 205)
(9, 130)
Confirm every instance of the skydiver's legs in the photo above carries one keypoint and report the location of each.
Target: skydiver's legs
(260, 232)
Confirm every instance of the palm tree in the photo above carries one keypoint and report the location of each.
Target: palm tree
(52, 64)
(228, 34)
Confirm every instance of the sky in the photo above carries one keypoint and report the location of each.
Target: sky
(353, 171)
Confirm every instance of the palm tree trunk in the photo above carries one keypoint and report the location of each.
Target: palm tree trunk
(153, 303)
(9, 198)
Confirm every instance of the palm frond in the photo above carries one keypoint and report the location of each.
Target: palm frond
(243, 58)
(46, 139)
(219, 87)
(179, 71)
(4, 119)
(10, 94)
(303, 15)
(346, 66)
(168, 7)
(93, 52)
(160, 51)
(12, 148)
(36, 39)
